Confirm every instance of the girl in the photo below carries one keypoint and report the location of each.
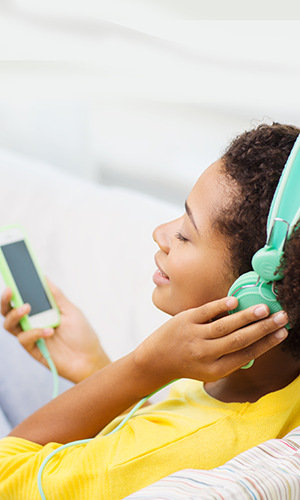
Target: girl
(223, 410)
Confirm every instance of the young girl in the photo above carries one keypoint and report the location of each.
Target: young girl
(223, 410)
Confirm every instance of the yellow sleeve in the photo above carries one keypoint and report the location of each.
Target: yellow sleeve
(76, 473)
(16, 454)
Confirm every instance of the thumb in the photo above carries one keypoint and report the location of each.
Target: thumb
(59, 297)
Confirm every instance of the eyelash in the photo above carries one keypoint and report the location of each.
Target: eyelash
(180, 237)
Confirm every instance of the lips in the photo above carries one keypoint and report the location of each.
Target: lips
(159, 277)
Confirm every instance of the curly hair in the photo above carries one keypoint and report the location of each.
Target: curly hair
(254, 161)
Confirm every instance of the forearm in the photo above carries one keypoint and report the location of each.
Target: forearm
(85, 409)
(93, 365)
(186, 346)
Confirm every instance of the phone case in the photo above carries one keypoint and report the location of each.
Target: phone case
(10, 282)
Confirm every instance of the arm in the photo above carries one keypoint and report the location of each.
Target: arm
(82, 411)
(188, 346)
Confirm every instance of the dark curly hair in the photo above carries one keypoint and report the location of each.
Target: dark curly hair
(254, 161)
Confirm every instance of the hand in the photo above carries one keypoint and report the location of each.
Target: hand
(193, 344)
(73, 345)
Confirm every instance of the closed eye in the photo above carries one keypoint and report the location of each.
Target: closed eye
(180, 237)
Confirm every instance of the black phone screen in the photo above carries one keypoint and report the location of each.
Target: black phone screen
(26, 277)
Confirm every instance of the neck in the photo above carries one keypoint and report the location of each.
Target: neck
(271, 372)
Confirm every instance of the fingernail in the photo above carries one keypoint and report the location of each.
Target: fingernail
(22, 310)
(231, 302)
(48, 331)
(261, 312)
(281, 318)
(281, 334)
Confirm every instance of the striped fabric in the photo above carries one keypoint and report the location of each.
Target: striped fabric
(270, 471)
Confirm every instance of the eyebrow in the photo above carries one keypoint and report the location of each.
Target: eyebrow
(189, 213)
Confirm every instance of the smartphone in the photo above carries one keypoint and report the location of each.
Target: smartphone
(22, 274)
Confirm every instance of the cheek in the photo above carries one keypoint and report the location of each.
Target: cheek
(190, 279)
(200, 280)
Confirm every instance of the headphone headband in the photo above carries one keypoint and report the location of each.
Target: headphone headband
(283, 215)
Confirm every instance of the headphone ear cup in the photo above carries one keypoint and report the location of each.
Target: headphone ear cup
(249, 292)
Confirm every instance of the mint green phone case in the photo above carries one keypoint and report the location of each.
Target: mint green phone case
(10, 282)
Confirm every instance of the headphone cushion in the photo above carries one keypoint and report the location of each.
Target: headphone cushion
(250, 294)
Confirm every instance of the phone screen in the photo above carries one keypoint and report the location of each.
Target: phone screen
(26, 277)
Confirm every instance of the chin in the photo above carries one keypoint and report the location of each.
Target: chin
(160, 303)
(166, 305)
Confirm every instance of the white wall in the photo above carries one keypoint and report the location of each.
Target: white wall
(145, 101)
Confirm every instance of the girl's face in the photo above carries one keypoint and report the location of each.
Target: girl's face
(193, 260)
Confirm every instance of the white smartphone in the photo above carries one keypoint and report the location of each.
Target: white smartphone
(22, 274)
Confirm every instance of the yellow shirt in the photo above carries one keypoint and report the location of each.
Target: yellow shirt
(188, 430)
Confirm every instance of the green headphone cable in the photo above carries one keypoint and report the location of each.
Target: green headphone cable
(41, 344)
(84, 441)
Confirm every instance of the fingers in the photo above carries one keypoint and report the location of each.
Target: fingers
(227, 323)
(29, 338)
(12, 319)
(5, 301)
(243, 338)
(12, 316)
(240, 337)
(238, 320)
(209, 311)
(235, 360)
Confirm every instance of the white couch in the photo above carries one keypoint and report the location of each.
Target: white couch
(94, 242)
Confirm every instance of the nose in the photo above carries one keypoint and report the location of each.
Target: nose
(164, 233)
(160, 236)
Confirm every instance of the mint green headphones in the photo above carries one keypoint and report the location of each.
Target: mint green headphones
(257, 286)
